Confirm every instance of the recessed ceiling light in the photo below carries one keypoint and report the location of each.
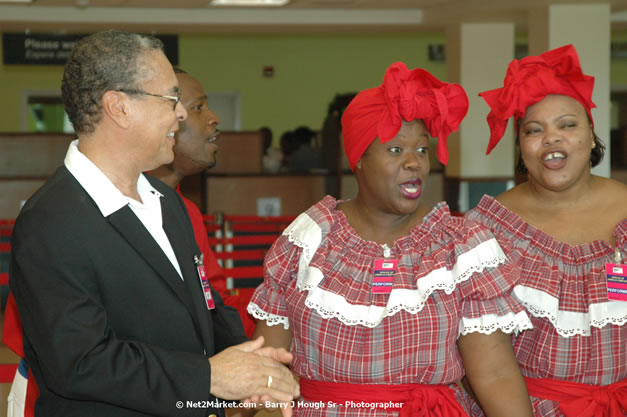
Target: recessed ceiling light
(248, 2)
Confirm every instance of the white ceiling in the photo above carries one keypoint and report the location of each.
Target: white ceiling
(178, 16)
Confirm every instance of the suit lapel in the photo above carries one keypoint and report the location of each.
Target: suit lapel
(181, 236)
(129, 226)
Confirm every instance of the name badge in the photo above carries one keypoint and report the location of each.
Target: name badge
(383, 279)
(616, 275)
(204, 282)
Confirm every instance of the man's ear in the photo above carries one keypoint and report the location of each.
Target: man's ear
(116, 106)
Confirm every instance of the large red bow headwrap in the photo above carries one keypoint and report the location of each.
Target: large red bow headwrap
(530, 80)
(404, 95)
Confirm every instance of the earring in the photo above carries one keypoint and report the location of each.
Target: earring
(594, 145)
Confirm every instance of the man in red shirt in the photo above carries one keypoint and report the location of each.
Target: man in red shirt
(194, 152)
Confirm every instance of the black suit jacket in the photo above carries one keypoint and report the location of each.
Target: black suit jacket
(110, 329)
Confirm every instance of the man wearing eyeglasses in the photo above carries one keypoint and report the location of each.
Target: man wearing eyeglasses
(117, 315)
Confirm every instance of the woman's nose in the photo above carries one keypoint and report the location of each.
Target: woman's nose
(411, 161)
(552, 136)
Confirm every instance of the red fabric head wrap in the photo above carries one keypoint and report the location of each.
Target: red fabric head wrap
(404, 95)
(530, 80)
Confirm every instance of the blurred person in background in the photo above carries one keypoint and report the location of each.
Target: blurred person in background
(195, 152)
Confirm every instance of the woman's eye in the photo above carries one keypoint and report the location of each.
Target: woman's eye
(531, 131)
(423, 149)
(395, 149)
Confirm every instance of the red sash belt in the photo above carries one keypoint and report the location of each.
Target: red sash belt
(582, 400)
(417, 400)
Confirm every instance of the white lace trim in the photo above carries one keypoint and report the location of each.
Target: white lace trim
(508, 323)
(305, 233)
(329, 305)
(570, 323)
(270, 319)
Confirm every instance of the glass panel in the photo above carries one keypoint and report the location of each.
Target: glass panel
(46, 114)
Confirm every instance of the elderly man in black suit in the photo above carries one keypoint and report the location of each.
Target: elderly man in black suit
(117, 314)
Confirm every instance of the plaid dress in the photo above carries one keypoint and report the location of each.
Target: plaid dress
(578, 335)
(452, 279)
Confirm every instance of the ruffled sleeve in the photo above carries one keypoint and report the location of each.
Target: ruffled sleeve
(286, 264)
(488, 304)
(280, 271)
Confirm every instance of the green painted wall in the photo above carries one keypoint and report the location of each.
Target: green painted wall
(16, 78)
(618, 66)
(309, 70)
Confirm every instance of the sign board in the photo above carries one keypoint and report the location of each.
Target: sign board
(55, 49)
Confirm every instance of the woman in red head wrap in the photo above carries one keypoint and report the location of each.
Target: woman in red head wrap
(374, 295)
(567, 229)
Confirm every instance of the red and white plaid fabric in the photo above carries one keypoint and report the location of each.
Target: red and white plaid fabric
(452, 278)
(578, 335)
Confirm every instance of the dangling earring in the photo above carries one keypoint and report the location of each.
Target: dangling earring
(594, 145)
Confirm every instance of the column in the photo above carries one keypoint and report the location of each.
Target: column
(477, 57)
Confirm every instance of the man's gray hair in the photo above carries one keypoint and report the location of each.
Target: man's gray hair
(101, 62)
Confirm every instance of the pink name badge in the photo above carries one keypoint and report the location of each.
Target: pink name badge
(616, 281)
(384, 270)
(204, 283)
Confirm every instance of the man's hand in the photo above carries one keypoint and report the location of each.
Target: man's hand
(278, 354)
(242, 371)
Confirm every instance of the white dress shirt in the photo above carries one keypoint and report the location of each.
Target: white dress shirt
(109, 199)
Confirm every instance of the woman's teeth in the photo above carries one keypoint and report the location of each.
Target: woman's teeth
(410, 188)
(554, 155)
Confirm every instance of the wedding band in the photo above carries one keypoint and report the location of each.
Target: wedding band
(269, 384)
